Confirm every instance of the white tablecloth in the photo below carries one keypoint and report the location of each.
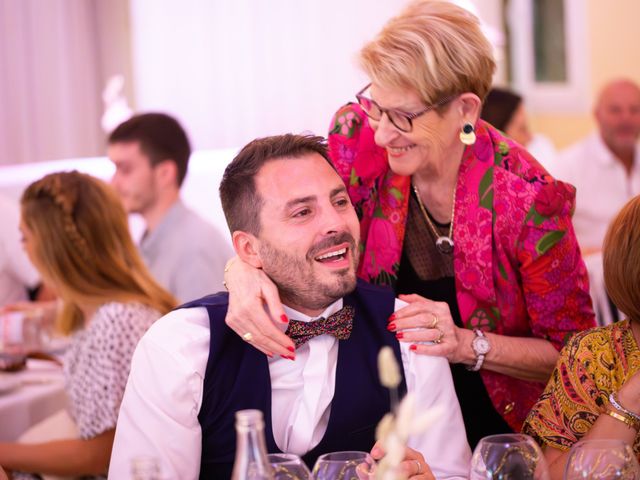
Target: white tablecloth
(39, 393)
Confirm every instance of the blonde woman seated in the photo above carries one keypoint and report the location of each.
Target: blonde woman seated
(594, 391)
(76, 234)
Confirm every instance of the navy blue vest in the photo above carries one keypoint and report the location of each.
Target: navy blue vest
(237, 378)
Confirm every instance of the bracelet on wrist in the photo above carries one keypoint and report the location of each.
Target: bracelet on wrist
(615, 403)
(630, 422)
(226, 269)
(228, 264)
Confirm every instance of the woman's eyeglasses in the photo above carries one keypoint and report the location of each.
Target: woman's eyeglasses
(403, 121)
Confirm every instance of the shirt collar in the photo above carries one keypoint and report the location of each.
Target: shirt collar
(330, 310)
(606, 156)
(175, 211)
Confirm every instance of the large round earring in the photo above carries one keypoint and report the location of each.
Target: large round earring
(468, 134)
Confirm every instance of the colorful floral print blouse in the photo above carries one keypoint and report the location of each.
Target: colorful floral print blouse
(517, 265)
(592, 365)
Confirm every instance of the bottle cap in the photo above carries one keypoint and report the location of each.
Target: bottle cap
(249, 418)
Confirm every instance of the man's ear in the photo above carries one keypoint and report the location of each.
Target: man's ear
(247, 247)
(167, 172)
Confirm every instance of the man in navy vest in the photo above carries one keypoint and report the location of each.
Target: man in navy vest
(290, 215)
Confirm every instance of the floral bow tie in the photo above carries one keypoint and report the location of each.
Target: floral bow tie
(339, 325)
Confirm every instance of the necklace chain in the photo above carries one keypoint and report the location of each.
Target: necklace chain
(444, 243)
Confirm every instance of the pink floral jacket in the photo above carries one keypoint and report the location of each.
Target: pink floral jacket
(518, 268)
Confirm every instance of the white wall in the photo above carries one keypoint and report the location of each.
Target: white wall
(239, 69)
(236, 70)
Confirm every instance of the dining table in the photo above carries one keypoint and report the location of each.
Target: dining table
(30, 395)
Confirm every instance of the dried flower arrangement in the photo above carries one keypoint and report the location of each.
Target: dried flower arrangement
(397, 426)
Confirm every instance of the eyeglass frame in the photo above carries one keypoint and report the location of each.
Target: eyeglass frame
(409, 116)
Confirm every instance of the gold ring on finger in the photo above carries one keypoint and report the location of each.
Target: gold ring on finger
(247, 337)
(419, 467)
(435, 321)
(440, 336)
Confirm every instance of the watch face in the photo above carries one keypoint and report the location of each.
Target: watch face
(481, 345)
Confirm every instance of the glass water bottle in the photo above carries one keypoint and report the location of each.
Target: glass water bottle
(251, 461)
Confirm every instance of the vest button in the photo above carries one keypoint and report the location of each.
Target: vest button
(508, 408)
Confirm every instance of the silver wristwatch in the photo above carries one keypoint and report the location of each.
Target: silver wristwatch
(481, 347)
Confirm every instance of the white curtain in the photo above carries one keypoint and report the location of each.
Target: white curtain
(54, 60)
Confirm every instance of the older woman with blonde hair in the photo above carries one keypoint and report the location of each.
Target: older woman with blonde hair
(594, 391)
(455, 216)
(76, 234)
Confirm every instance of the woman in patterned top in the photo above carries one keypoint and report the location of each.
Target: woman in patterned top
(594, 391)
(453, 211)
(76, 234)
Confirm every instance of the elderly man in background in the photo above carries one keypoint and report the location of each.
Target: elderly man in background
(605, 169)
(605, 166)
(185, 253)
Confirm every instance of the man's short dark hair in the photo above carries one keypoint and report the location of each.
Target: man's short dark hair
(161, 138)
(241, 202)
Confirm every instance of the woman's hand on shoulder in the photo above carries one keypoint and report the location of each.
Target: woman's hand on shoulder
(429, 327)
(250, 291)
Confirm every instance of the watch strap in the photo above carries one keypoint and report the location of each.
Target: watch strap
(479, 356)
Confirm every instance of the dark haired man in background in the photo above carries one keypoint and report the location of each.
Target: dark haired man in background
(185, 253)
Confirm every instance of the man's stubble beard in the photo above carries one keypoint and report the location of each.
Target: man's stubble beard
(296, 279)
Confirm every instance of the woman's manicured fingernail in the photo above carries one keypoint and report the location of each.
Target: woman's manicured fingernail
(399, 335)
(413, 347)
(291, 349)
(284, 318)
(392, 317)
(391, 327)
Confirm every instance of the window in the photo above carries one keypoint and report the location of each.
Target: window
(548, 58)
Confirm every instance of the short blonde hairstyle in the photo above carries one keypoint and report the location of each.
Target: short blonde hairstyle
(82, 246)
(621, 260)
(434, 48)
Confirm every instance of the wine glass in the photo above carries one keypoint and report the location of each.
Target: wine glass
(512, 456)
(287, 466)
(344, 466)
(601, 460)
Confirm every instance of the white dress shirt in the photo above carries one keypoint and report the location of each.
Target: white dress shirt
(602, 186)
(159, 412)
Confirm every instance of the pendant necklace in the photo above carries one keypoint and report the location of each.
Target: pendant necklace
(444, 243)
